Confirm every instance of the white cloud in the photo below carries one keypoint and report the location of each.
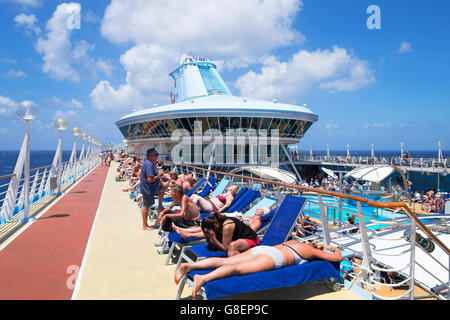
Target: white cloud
(380, 125)
(28, 22)
(331, 126)
(62, 60)
(336, 70)
(71, 116)
(31, 3)
(71, 104)
(218, 28)
(404, 47)
(233, 33)
(16, 74)
(7, 106)
(147, 80)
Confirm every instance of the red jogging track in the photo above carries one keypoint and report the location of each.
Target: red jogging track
(42, 262)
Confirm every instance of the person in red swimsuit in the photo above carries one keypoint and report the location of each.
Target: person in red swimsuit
(229, 234)
(218, 204)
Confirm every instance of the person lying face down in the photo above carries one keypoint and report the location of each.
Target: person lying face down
(254, 223)
(218, 204)
(228, 234)
(257, 259)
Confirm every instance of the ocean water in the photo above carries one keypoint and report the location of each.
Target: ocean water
(38, 159)
(42, 158)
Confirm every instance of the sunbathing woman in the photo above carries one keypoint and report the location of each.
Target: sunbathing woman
(257, 259)
(228, 234)
(253, 222)
(218, 204)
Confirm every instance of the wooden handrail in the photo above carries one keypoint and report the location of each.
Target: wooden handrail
(369, 202)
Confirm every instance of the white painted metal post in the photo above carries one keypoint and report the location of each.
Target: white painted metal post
(367, 253)
(60, 163)
(26, 175)
(324, 220)
(412, 259)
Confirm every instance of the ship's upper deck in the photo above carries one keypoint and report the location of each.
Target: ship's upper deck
(200, 94)
(218, 106)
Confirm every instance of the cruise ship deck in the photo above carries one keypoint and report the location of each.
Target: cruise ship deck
(90, 245)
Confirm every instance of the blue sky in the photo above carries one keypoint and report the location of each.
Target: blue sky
(381, 86)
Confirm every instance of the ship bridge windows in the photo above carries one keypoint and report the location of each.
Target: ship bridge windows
(240, 126)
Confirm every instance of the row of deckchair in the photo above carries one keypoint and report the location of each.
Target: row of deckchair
(277, 228)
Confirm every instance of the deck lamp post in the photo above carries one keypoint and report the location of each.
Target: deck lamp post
(61, 124)
(27, 110)
(401, 149)
(440, 157)
(372, 153)
(84, 137)
(76, 132)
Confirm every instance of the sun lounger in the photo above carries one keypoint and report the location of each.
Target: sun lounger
(210, 185)
(243, 199)
(220, 188)
(164, 241)
(279, 278)
(176, 240)
(278, 231)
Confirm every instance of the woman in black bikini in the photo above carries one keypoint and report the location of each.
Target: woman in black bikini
(229, 234)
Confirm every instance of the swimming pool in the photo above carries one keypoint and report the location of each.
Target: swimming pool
(370, 213)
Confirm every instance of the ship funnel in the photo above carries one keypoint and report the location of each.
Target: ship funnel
(197, 78)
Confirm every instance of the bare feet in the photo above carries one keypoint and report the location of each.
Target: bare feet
(147, 228)
(198, 283)
(183, 270)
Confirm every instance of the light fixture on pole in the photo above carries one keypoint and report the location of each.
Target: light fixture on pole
(26, 110)
(440, 157)
(76, 132)
(61, 124)
(401, 149)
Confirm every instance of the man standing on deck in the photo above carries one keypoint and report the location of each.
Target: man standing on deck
(149, 184)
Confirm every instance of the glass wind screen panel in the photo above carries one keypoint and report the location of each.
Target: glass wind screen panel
(282, 126)
(212, 82)
(204, 123)
(275, 123)
(167, 129)
(235, 123)
(265, 123)
(224, 124)
(124, 130)
(186, 124)
(288, 127)
(295, 128)
(214, 123)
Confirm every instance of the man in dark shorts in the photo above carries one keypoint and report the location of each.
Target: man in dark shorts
(149, 184)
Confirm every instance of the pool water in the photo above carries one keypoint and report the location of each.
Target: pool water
(370, 213)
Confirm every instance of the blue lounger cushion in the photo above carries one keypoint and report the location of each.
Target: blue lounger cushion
(206, 250)
(279, 278)
(175, 237)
